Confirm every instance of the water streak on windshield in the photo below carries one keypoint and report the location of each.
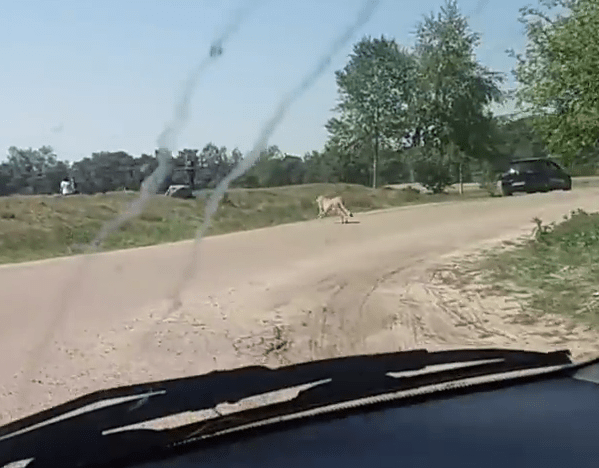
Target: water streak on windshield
(167, 141)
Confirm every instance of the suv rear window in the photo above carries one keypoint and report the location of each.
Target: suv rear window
(526, 166)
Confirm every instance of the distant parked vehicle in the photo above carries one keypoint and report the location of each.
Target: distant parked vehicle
(68, 187)
(534, 175)
(179, 191)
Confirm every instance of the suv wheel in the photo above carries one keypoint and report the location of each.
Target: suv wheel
(568, 185)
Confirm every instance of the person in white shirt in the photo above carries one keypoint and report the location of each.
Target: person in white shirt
(65, 186)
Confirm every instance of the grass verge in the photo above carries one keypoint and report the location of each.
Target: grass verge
(37, 227)
(555, 271)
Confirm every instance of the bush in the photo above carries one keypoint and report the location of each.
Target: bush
(583, 171)
(433, 175)
(488, 181)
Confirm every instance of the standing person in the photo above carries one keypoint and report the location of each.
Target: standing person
(190, 169)
(73, 185)
(65, 186)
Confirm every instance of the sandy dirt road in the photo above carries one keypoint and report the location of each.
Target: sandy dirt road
(285, 294)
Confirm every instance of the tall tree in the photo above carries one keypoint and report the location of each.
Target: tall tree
(216, 164)
(107, 171)
(452, 116)
(558, 75)
(34, 170)
(375, 92)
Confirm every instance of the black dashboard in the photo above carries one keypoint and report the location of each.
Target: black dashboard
(550, 424)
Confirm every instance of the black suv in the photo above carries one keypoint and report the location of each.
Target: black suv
(534, 175)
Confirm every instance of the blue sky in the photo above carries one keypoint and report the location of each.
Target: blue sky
(93, 75)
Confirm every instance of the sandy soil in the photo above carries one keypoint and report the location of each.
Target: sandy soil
(270, 296)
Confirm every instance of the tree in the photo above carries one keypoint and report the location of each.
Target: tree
(243, 181)
(213, 165)
(375, 91)
(393, 167)
(518, 139)
(293, 170)
(266, 171)
(451, 112)
(347, 150)
(318, 168)
(5, 179)
(236, 157)
(189, 159)
(34, 171)
(349, 165)
(107, 171)
(145, 165)
(558, 75)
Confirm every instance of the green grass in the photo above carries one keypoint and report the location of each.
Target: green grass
(37, 227)
(556, 271)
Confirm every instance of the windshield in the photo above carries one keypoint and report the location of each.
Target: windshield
(192, 186)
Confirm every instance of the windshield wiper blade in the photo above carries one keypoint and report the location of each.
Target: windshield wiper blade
(71, 439)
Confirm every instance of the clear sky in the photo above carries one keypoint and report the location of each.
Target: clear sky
(92, 75)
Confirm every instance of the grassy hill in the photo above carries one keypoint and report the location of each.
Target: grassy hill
(36, 227)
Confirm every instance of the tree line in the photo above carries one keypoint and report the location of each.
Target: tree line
(402, 115)
(39, 171)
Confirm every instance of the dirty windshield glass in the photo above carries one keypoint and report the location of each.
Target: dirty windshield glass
(190, 186)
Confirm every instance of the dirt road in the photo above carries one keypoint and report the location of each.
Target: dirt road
(283, 294)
